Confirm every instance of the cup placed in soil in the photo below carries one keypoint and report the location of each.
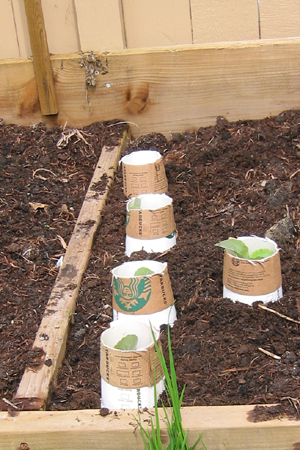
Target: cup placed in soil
(143, 173)
(142, 291)
(250, 280)
(150, 224)
(127, 376)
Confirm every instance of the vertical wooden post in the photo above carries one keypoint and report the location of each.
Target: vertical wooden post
(41, 57)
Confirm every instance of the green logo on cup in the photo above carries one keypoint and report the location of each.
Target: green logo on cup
(133, 296)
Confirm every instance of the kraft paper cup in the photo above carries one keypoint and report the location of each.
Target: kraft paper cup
(143, 173)
(248, 281)
(146, 298)
(127, 376)
(151, 227)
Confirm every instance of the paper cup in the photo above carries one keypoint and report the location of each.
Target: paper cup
(248, 281)
(151, 226)
(143, 173)
(146, 298)
(127, 376)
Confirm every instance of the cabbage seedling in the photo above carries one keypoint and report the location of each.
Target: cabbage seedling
(135, 204)
(128, 342)
(143, 271)
(237, 247)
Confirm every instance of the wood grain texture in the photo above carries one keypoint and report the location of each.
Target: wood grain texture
(41, 57)
(279, 18)
(100, 25)
(8, 32)
(35, 384)
(220, 21)
(166, 90)
(223, 427)
(156, 23)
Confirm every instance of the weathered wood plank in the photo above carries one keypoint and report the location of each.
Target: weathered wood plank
(223, 427)
(279, 19)
(164, 90)
(220, 21)
(53, 331)
(41, 57)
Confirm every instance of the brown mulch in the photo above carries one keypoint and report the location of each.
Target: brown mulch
(232, 179)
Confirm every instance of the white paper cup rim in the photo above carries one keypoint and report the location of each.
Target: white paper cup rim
(128, 269)
(256, 244)
(141, 157)
(151, 201)
(119, 329)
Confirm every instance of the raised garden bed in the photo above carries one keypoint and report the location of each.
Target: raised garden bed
(232, 179)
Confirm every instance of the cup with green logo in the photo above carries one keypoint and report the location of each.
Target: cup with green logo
(142, 291)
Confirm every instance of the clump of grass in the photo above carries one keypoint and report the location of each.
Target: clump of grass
(177, 435)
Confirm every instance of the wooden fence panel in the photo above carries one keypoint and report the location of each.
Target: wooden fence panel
(157, 23)
(61, 26)
(8, 37)
(100, 25)
(279, 18)
(21, 28)
(217, 21)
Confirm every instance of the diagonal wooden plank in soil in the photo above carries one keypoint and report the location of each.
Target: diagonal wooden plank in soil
(52, 335)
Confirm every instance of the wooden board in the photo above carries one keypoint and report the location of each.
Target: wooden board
(223, 427)
(166, 90)
(41, 57)
(53, 331)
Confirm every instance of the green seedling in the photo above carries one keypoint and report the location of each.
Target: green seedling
(143, 271)
(152, 438)
(238, 248)
(135, 203)
(128, 342)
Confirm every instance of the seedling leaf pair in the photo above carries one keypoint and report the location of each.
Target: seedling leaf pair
(237, 247)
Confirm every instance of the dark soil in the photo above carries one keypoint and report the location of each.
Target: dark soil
(233, 179)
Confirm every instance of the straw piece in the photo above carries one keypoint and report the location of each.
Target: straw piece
(279, 314)
(266, 352)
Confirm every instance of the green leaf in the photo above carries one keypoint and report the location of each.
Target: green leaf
(128, 342)
(143, 271)
(135, 203)
(235, 247)
(261, 253)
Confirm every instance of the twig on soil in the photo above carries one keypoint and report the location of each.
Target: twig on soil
(66, 136)
(266, 352)
(295, 173)
(279, 314)
(43, 170)
(10, 404)
(162, 254)
(234, 369)
(293, 401)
